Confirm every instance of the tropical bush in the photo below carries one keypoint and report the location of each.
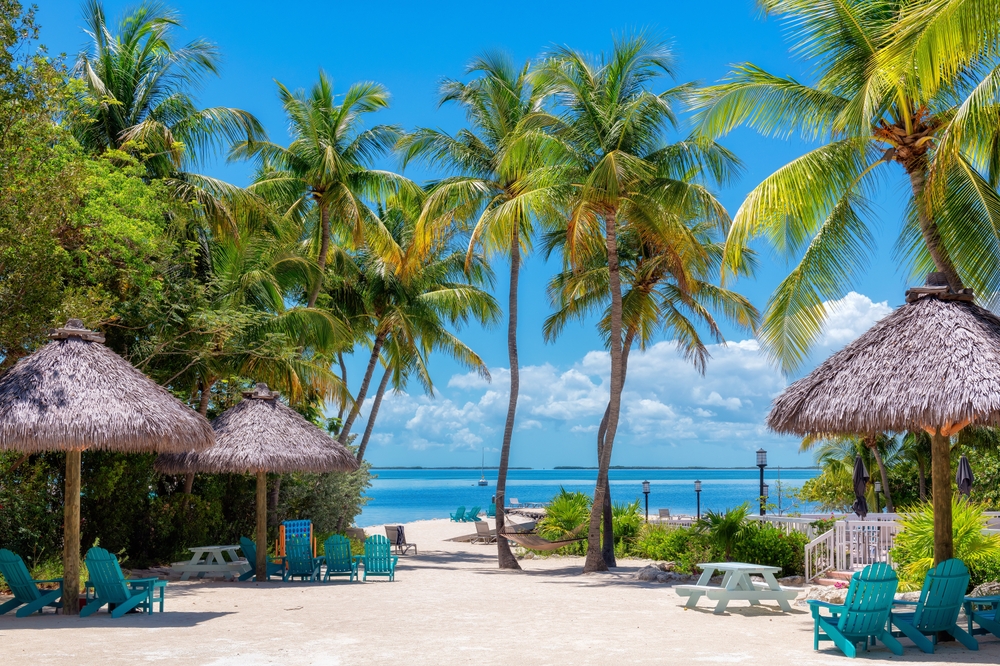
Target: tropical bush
(684, 546)
(565, 515)
(727, 529)
(913, 551)
(765, 544)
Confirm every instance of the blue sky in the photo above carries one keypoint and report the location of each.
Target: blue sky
(671, 415)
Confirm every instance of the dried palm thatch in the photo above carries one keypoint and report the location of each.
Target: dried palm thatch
(74, 393)
(933, 363)
(263, 434)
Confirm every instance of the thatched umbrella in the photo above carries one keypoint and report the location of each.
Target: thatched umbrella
(74, 394)
(259, 435)
(933, 365)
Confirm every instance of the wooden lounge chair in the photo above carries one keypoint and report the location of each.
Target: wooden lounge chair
(484, 534)
(472, 515)
(26, 592)
(397, 536)
(982, 611)
(863, 615)
(459, 515)
(337, 556)
(299, 559)
(112, 588)
(275, 565)
(941, 599)
(378, 559)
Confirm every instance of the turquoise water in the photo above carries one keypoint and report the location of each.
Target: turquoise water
(404, 495)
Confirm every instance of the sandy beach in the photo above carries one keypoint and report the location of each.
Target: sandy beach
(448, 605)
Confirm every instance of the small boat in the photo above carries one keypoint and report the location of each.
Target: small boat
(482, 479)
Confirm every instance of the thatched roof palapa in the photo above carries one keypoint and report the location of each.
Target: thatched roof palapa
(74, 393)
(262, 433)
(932, 363)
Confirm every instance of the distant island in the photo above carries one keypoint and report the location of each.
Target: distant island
(689, 467)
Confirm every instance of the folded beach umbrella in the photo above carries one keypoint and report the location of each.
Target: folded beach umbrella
(963, 477)
(261, 434)
(75, 394)
(933, 364)
(860, 481)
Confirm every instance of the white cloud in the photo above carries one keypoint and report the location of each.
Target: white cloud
(849, 317)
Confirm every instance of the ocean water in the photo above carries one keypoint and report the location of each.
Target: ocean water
(404, 495)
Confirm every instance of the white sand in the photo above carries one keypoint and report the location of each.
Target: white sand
(449, 605)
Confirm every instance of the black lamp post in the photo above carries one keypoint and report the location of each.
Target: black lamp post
(878, 489)
(697, 494)
(645, 491)
(762, 463)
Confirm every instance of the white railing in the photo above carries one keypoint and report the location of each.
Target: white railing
(789, 524)
(821, 555)
(865, 542)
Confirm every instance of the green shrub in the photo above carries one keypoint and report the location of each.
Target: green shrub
(625, 522)
(566, 513)
(769, 545)
(727, 529)
(684, 546)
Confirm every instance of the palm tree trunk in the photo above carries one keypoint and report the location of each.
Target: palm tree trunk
(595, 561)
(324, 250)
(343, 377)
(885, 476)
(608, 543)
(922, 478)
(363, 391)
(944, 547)
(505, 558)
(929, 230)
(206, 394)
(371, 417)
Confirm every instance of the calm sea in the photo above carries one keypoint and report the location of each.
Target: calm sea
(404, 495)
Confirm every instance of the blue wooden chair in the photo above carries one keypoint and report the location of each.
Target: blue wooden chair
(299, 559)
(337, 555)
(472, 515)
(491, 510)
(111, 587)
(26, 592)
(275, 565)
(864, 614)
(941, 599)
(378, 559)
(459, 515)
(982, 611)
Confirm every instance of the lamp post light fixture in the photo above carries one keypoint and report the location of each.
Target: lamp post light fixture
(697, 494)
(645, 491)
(878, 489)
(762, 463)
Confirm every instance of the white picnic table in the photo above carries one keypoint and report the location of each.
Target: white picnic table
(209, 560)
(737, 586)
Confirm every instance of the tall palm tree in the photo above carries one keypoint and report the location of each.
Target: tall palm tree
(325, 174)
(878, 447)
(138, 97)
(505, 184)
(621, 175)
(911, 83)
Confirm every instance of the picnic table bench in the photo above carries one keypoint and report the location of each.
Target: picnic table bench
(210, 561)
(737, 586)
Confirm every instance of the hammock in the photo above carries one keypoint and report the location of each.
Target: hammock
(535, 542)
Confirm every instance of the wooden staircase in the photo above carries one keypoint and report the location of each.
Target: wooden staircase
(834, 577)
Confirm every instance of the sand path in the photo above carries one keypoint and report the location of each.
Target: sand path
(449, 605)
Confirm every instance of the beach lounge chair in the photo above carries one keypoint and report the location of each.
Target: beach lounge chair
(275, 565)
(484, 534)
(26, 592)
(112, 588)
(491, 510)
(299, 559)
(356, 533)
(378, 559)
(472, 515)
(665, 514)
(941, 599)
(459, 515)
(397, 536)
(337, 556)
(863, 615)
(982, 611)
(514, 504)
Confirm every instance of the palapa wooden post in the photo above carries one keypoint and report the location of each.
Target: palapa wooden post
(71, 534)
(261, 564)
(944, 546)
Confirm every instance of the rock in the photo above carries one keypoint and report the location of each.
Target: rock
(529, 556)
(666, 566)
(832, 595)
(792, 581)
(669, 577)
(986, 590)
(908, 596)
(648, 573)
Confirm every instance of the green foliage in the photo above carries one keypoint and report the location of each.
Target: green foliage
(626, 520)
(913, 551)
(332, 501)
(771, 546)
(727, 529)
(986, 466)
(684, 546)
(564, 515)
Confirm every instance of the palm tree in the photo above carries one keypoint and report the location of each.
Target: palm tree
(505, 184)
(620, 175)
(836, 456)
(325, 173)
(878, 447)
(138, 98)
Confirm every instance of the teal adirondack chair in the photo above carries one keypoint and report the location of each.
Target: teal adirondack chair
(111, 587)
(300, 560)
(459, 514)
(491, 510)
(941, 599)
(27, 594)
(863, 615)
(337, 555)
(378, 559)
(472, 515)
(275, 565)
(982, 611)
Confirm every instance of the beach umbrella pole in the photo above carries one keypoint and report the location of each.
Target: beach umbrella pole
(261, 563)
(944, 547)
(71, 535)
